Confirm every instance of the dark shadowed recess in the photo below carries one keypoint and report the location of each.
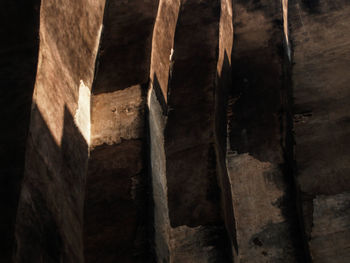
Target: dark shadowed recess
(115, 224)
(256, 83)
(195, 141)
(314, 7)
(290, 167)
(189, 129)
(159, 94)
(19, 28)
(269, 9)
(124, 53)
(224, 86)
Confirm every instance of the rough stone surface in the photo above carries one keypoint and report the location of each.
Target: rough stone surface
(199, 244)
(223, 85)
(330, 232)
(116, 116)
(320, 90)
(266, 221)
(163, 46)
(116, 206)
(183, 243)
(190, 125)
(184, 151)
(161, 222)
(321, 113)
(262, 233)
(239, 153)
(124, 56)
(50, 213)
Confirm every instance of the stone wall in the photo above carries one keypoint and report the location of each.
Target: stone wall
(266, 220)
(188, 78)
(320, 41)
(174, 131)
(50, 214)
(116, 206)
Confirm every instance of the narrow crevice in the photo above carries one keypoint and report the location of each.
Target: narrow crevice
(294, 213)
(288, 144)
(151, 235)
(148, 195)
